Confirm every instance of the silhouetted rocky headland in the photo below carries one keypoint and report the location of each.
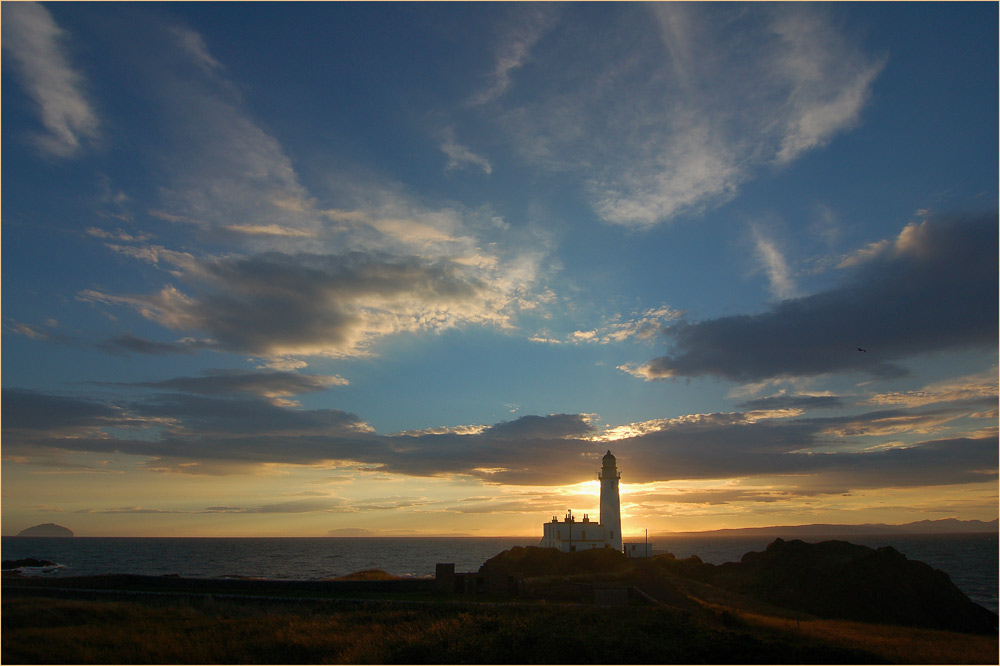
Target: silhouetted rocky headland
(837, 579)
(831, 579)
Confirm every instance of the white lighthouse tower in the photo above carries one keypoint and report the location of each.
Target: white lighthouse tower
(611, 509)
(570, 534)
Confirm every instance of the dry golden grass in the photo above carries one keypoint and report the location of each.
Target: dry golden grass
(205, 630)
(81, 632)
(895, 644)
(37, 630)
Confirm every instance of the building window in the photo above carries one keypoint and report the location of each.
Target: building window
(585, 535)
(559, 535)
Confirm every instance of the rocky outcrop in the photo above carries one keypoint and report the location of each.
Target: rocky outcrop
(46, 530)
(32, 562)
(530, 561)
(837, 579)
(367, 574)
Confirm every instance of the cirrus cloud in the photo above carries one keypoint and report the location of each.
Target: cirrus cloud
(674, 106)
(38, 54)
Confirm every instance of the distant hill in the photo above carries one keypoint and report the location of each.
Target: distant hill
(46, 530)
(944, 526)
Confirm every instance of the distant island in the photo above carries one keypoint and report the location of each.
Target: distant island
(943, 526)
(46, 530)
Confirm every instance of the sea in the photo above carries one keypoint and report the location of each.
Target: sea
(970, 560)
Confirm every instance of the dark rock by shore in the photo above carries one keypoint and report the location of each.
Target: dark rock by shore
(46, 530)
(26, 562)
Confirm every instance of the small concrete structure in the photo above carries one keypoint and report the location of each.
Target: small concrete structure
(612, 595)
(491, 581)
(444, 577)
(642, 549)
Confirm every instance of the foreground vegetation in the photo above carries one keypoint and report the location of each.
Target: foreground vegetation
(206, 630)
(891, 643)
(37, 630)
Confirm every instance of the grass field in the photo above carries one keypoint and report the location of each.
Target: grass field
(45, 630)
(891, 643)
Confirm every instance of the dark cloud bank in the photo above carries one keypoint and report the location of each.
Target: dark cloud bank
(226, 434)
(933, 289)
(262, 383)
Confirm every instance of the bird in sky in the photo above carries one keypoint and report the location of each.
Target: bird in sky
(862, 350)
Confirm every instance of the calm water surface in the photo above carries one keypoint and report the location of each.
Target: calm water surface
(278, 558)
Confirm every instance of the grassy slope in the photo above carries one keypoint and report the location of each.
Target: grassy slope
(890, 643)
(895, 644)
(39, 630)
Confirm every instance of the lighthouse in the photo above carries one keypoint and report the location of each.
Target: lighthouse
(571, 534)
(611, 510)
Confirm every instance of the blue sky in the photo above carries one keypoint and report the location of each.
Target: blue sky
(376, 268)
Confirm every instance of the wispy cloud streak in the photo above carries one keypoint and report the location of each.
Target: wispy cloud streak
(528, 27)
(460, 157)
(779, 276)
(674, 106)
(34, 43)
